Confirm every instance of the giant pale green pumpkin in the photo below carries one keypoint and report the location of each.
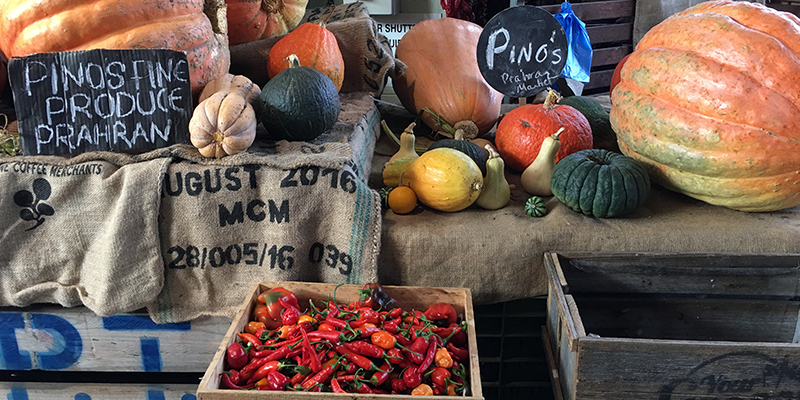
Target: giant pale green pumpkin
(710, 103)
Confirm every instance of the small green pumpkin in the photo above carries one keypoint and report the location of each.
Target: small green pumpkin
(298, 104)
(535, 207)
(600, 183)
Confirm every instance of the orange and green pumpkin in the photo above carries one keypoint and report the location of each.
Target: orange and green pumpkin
(196, 27)
(709, 103)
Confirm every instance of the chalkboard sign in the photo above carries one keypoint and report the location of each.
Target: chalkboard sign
(522, 51)
(106, 100)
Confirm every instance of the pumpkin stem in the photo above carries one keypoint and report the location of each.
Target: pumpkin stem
(440, 123)
(272, 6)
(217, 136)
(324, 20)
(469, 129)
(294, 62)
(551, 100)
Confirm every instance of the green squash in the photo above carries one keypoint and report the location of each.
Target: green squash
(298, 104)
(535, 207)
(475, 152)
(600, 183)
(603, 136)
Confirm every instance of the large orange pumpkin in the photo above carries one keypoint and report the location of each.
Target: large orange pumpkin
(192, 26)
(443, 74)
(315, 46)
(710, 103)
(250, 20)
(520, 133)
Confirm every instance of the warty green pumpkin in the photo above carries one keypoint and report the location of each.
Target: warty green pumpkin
(600, 183)
(709, 103)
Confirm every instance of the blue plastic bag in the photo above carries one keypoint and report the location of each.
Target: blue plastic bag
(579, 54)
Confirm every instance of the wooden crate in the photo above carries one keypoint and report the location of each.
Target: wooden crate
(674, 326)
(409, 297)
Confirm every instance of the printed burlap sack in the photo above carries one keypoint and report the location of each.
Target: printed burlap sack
(82, 230)
(368, 59)
(297, 211)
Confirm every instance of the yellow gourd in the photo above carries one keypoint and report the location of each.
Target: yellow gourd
(402, 158)
(535, 178)
(496, 192)
(444, 179)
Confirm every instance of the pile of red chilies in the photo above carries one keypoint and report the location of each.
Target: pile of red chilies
(368, 346)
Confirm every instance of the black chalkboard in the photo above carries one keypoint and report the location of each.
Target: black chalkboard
(106, 100)
(522, 51)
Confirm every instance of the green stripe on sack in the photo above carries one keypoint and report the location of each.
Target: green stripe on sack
(360, 232)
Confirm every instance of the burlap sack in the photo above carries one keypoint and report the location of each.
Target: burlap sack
(294, 211)
(368, 59)
(80, 231)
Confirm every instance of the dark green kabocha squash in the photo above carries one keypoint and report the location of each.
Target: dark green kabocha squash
(298, 104)
(600, 183)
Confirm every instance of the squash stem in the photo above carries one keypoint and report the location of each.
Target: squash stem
(388, 131)
(440, 122)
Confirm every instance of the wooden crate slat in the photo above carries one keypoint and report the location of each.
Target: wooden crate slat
(95, 391)
(611, 33)
(597, 10)
(734, 320)
(76, 339)
(610, 56)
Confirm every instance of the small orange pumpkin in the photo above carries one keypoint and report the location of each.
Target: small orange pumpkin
(315, 46)
(443, 75)
(251, 20)
(520, 133)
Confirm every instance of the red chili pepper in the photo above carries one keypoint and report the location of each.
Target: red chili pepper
(440, 311)
(331, 336)
(250, 338)
(276, 380)
(341, 324)
(439, 377)
(234, 376)
(364, 388)
(320, 376)
(411, 377)
(417, 351)
(299, 377)
(399, 385)
(459, 353)
(379, 377)
(366, 349)
(236, 355)
(392, 325)
(226, 382)
(382, 339)
(367, 330)
(290, 312)
(357, 359)
(263, 370)
(429, 355)
(395, 356)
(396, 313)
(315, 364)
(365, 315)
(271, 299)
(336, 387)
(412, 317)
(372, 295)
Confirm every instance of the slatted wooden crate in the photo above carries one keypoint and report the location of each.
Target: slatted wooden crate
(409, 297)
(50, 352)
(674, 326)
(609, 24)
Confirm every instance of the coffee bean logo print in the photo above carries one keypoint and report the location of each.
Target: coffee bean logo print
(34, 207)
